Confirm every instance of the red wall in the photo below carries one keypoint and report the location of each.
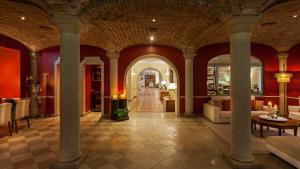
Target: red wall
(172, 54)
(293, 66)
(46, 65)
(266, 54)
(88, 87)
(8, 42)
(10, 75)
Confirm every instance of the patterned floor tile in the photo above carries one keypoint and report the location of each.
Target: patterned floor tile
(146, 141)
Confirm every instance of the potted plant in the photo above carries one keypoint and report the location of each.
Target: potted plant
(120, 114)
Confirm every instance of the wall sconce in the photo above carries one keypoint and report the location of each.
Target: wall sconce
(132, 72)
(168, 72)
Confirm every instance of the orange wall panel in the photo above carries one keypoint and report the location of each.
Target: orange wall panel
(10, 73)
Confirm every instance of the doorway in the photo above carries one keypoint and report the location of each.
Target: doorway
(91, 86)
(151, 86)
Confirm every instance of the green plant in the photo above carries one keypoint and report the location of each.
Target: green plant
(120, 113)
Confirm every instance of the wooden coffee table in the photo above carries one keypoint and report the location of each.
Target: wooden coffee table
(290, 124)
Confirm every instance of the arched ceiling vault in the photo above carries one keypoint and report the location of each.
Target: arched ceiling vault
(182, 24)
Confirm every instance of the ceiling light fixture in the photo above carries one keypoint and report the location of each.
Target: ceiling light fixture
(153, 20)
(151, 38)
(295, 16)
(23, 18)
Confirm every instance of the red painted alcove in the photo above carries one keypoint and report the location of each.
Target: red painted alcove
(46, 65)
(172, 54)
(266, 54)
(10, 73)
(11, 43)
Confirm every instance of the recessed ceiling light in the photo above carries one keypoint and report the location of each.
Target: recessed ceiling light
(23, 18)
(295, 16)
(151, 38)
(153, 20)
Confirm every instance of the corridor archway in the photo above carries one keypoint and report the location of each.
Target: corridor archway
(167, 81)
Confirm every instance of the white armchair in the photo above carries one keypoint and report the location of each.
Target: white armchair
(294, 112)
(5, 115)
(22, 111)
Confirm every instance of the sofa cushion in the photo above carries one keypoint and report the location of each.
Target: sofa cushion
(225, 114)
(253, 105)
(218, 103)
(294, 115)
(226, 105)
(219, 97)
(286, 144)
(294, 108)
(259, 105)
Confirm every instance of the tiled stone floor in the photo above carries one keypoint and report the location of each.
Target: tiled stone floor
(147, 101)
(146, 141)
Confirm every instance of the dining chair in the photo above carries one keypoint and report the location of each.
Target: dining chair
(5, 115)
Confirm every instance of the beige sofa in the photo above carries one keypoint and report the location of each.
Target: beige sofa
(294, 112)
(285, 147)
(214, 114)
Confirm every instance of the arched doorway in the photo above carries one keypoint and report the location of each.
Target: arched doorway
(85, 94)
(167, 80)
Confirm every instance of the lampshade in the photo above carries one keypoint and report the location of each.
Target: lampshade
(172, 86)
(283, 77)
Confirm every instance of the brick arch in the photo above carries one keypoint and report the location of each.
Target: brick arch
(266, 54)
(174, 55)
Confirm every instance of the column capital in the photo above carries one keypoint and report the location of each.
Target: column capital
(282, 55)
(190, 53)
(189, 56)
(239, 24)
(67, 23)
(113, 55)
(34, 55)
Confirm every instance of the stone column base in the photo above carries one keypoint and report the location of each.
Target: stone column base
(68, 165)
(240, 165)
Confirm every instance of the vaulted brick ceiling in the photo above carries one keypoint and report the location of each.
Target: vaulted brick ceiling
(179, 23)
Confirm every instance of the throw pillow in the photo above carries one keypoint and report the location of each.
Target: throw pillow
(259, 105)
(218, 103)
(226, 105)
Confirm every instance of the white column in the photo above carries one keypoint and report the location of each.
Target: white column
(240, 88)
(189, 96)
(282, 56)
(113, 72)
(34, 109)
(69, 27)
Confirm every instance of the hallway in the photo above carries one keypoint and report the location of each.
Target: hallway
(147, 101)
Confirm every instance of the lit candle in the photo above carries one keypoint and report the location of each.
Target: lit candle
(115, 97)
(269, 105)
(122, 96)
(275, 107)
